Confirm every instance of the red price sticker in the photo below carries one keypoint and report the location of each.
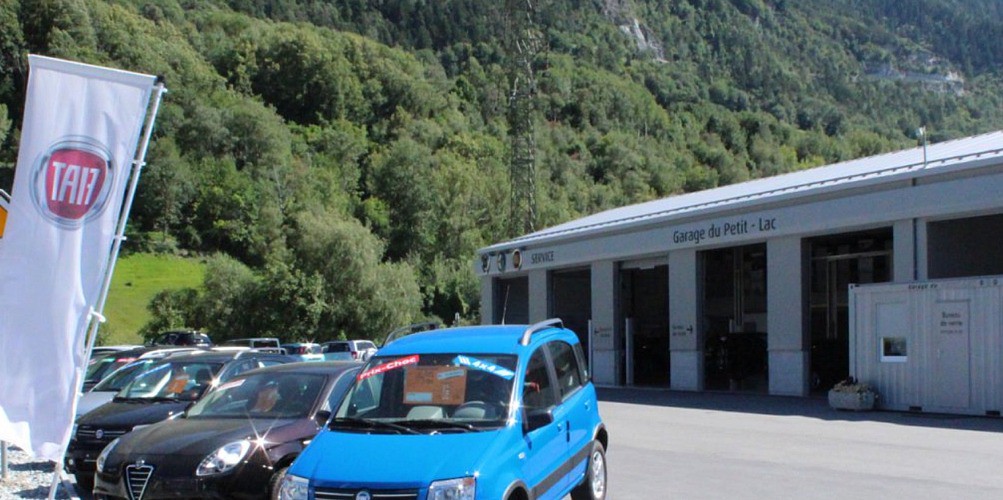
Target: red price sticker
(392, 365)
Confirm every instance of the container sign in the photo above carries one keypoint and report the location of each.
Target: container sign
(952, 318)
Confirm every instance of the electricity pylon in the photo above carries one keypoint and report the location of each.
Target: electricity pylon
(524, 44)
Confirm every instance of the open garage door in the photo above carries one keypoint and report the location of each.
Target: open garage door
(836, 262)
(571, 294)
(511, 301)
(644, 302)
(734, 318)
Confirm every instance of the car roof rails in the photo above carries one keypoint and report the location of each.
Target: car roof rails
(412, 328)
(538, 327)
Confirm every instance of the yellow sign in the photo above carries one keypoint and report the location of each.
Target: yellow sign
(3, 219)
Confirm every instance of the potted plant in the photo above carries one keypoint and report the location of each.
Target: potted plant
(851, 394)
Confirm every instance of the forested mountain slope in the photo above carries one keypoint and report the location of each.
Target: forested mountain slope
(341, 161)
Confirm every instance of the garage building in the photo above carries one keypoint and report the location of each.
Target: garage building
(745, 287)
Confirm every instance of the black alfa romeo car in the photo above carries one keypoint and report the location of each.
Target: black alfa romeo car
(164, 391)
(235, 443)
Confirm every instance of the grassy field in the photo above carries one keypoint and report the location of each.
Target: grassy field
(137, 279)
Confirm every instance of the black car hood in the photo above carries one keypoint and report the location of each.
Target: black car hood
(121, 414)
(201, 436)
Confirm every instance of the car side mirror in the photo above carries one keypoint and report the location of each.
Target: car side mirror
(535, 419)
(321, 417)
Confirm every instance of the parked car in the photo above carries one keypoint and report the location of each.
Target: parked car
(102, 365)
(161, 392)
(265, 344)
(236, 442)
(105, 390)
(490, 412)
(298, 348)
(182, 337)
(304, 351)
(358, 350)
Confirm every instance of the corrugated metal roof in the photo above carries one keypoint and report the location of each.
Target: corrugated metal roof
(940, 157)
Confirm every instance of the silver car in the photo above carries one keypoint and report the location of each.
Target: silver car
(349, 350)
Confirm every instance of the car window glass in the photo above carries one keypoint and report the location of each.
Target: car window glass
(270, 362)
(238, 367)
(117, 380)
(339, 347)
(565, 367)
(338, 392)
(537, 390)
(271, 395)
(583, 365)
(101, 368)
(366, 396)
(182, 381)
(431, 388)
(97, 364)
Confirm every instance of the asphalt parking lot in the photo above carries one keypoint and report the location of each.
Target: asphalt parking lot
(666, 444)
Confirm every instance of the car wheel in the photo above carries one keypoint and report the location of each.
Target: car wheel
(593, 487)
(85, 482)
(275, 482)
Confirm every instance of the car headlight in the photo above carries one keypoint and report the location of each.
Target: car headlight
(294, 488)
(103, 456)
(453, 489)
(223, 459)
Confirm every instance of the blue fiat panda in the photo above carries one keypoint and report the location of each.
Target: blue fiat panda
(484, 412)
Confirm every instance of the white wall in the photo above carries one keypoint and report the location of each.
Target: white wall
(686, 341)
(605, 349)
(786, 333)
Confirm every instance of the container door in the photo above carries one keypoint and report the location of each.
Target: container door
(950, 385)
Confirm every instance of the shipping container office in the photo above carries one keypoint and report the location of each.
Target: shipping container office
(931, 346)
(755, 275)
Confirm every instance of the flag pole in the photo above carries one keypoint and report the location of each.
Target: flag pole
(137, 167)
(96, 317)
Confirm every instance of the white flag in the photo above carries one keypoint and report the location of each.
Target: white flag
(81, 128)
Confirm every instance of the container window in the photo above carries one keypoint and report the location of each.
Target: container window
(893, 350)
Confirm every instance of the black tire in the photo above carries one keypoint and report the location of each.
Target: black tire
(275, 482)
(85, 482)
(593, 487)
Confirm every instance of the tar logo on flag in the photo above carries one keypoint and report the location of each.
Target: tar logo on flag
(72, 181)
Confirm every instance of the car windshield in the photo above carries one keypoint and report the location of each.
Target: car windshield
(117, 380)
(339, 347)
(99, 368)
(262, 395)
(182, 381)
(429, 393)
